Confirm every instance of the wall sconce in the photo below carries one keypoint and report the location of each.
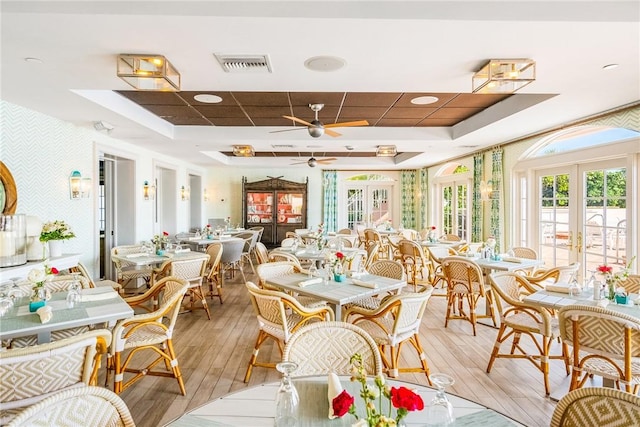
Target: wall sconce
(205, 196)
(79, 187)
(486, 190)
(184, 193)
(148, 191)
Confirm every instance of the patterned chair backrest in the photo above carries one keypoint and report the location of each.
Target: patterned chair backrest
(387, 268)
(524, 252)
(509, 290)
(214, 251)
(579, 408)
(463, 275)
(190, 270)
(275, 269)
(124, 250)
(323, 347)
(408, 314)
(62, 283)
(631, 284)
(30, 374)
(277, 256)
(262, 254)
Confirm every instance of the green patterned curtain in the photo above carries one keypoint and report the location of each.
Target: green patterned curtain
(476, 206)
(330, 200)
(408, 198)
(424, 186)
(497, 196)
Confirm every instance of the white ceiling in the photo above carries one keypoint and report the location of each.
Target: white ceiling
(389, 46)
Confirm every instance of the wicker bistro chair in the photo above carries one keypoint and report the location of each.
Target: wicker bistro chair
(562, 274)
(524, 252)
(148, 331)
(415, 263)
(605, 343)
(631, 284)
(127, 272)
(283, 268)
(597, 407)
(395, 322)
(394, 248)
(281, 256)
(213, 273)
(435, 254)
(465, 281)
(384, 268)
(279, 316)
(372, 255)
(262, 254)
(84, 272)
(372, 236)
(518, 319)
(28, 375)
(83, 406)
(323, 347)
(450, 238)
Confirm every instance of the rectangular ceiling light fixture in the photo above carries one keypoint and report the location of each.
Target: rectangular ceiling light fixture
(148, 72)
(243, 151)
(504, 75)
(386, 151)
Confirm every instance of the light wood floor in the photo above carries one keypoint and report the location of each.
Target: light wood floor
(213, 356)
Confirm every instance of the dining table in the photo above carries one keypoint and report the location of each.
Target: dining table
(200, 244)
(337, 294)
(142, 259)
(98, 305)
(255, 406)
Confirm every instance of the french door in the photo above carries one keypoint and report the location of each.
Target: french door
(368, 205)
(582, 214)
(454, 199)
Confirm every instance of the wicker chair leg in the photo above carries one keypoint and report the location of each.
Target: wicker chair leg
(176, 369)
(254, 356)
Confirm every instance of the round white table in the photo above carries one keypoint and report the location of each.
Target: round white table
(255, 407)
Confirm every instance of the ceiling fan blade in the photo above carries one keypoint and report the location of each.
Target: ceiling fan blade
(347, 124)
(295, 119)
(300, 163)
(327, 159)
(287, 130)
(332, 133)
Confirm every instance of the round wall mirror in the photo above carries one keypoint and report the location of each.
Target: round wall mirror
(8, 191)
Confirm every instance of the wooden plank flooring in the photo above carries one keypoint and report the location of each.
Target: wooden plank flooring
(213, 356)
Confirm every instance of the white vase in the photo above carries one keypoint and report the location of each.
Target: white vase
(55, 248)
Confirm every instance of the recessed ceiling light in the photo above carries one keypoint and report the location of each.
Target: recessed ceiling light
(33, 60)
(325, 63)
(610, 66)
(207, 98)
(424, 100)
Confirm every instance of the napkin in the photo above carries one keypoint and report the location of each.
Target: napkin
(357, 274)
(310, 282)
(181, 251)
(195, 238)
(558, 287)
(45, 313)
(364, 284)
(136, 255)
(335, 388)
(98, 297)
(512, 259)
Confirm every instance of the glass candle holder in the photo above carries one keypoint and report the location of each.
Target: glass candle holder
(13, 240)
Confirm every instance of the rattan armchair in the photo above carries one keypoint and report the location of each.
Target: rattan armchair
(127, 272)
(28, 375)
(279, 316)
(191, 270)
(148, 331)
(561, 274)
(283, 268)
(395, 322)
(384, 268)
(415, 263)
(213, 273)
(323, 347)
(519, 319)
(597, 407)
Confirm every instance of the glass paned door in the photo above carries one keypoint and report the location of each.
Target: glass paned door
(455, 209)
(368, 205)
(356, 212)
(583, 215)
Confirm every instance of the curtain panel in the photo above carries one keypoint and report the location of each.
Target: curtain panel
(330, 200)
(497, 197)
(476, 201)
(408, 198)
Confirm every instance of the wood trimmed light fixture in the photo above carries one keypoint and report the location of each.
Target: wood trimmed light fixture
(386, 151)
(148, 72)
(504, 75)
(243, 151)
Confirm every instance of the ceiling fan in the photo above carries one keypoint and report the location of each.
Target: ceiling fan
(316, 128)
(313, 162)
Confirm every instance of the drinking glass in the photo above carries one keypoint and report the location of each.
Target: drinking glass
(287, 400)
(328, 272)
(5, 301)
(574, 288)
(74, 296)
(313, 270)
(439, 409)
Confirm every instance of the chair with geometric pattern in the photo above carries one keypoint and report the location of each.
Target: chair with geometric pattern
(213, 273)
(84, 272)
(82, 406)
(561, 274)
(279, 316)
(127, 272)
(597, 407)
(148, 331)
(416, 264)
(396, 321)
(383, 268)
(605, 343)
(631, 284)
(284, 268)
(371, 237)
(323, 347)
(518, 319)
(465, 281)
(262, 254)
(30, 374)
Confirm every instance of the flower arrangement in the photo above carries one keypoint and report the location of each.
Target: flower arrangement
(39, 277)
(612, 279)
(56, 230)
(207, 230)
(160, 239)
(401, 398)
(431, 235)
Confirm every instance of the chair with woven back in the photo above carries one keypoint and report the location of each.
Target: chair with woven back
(372, 255)
(394, 246)
(519, 319)
(415, 263)
(127, 272)
(30, 374)
(383, 268)
(323, 347)
(262, 253)
(396, 321)
(605, 343)
(279, 315)
(560, 274)
(450, 238)
(151, 331)
(84, 272)
(250, 239)
(435, 254)
(597, 407)
(465, 282)
(345, 231)
(283, 268)
(280, 256)
(213, 273)
(631, 283)
(82, 406)
(372, 236)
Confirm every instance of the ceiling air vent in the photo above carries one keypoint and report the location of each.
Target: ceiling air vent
(281, 146)
(244, 63)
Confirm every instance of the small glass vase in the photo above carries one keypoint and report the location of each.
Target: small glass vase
(611, 289)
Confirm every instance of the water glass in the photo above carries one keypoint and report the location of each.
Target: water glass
(439, 409)
(312, 270)
(575, 289)
(74, 296)
(287, 399)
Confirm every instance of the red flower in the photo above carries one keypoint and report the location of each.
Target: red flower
(164, 233)
(604, 269)
(433, 227)
(54, 270)
(404, 398)
(341, 403)
(339, 255)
